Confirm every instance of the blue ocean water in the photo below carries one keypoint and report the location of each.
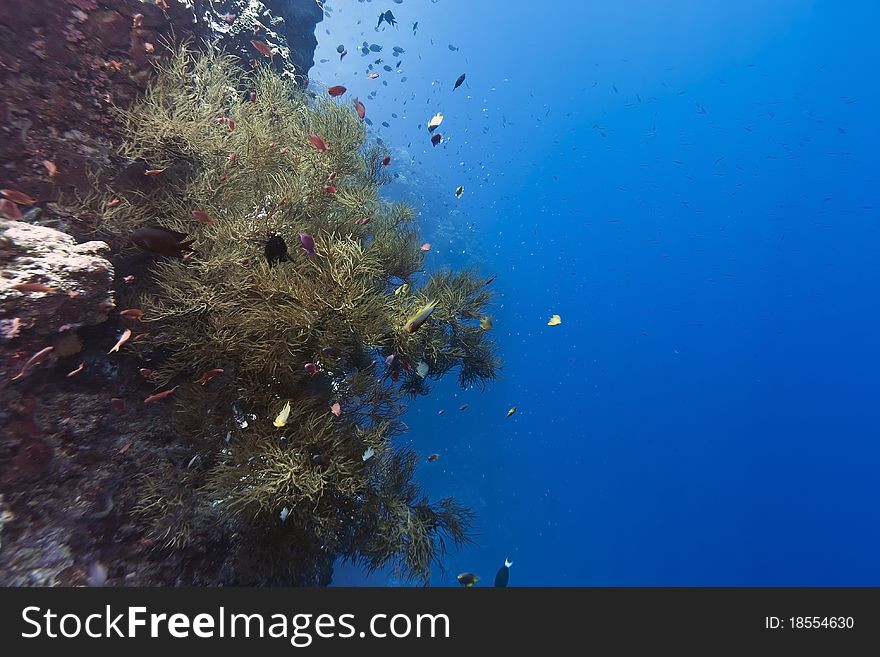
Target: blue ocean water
(692, 186)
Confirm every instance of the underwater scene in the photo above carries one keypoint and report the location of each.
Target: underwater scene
(439, 293)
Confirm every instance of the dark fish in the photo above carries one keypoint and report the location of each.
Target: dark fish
(336, 90)
(436, 139)
(276, 249)
(459, 81)
(433, 457)
(398, 50)
(161, 241)
(463, 407)
(389, 18)
(359, 108)
(503, 574)
(467, 579)
(375, 47)
(415, 27)
(340, 49)
(388, 68)
(452, 48)
(490, 279)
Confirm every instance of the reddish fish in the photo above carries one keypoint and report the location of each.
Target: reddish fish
(330, 189)
(426, 247)
(129, 279)
(209, 376)
(137, 20)
(79, 369)
(336, 409)
(360, 109)
(50, 168)
(112, 203)
(33, 287)
(122, 340)
(125, 447)
(132, 313)
(386, 160)
(363, 221)
(33, 360)
(9, 210)
(318, 143)
(263, 48)
(17, 197)
(159, 396)
(202, 217)
(338, 90)
(153, 172)
(311, 368)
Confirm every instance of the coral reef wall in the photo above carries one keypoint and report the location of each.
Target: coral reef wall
(70, 443)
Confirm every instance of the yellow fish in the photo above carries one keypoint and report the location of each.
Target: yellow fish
(556, 320)
(413, 323)
(281, 419)
(403, 289)
(511, 411)
(459, 191)
(486, 323)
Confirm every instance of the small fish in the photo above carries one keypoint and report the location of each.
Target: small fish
(263, 48)
(318, 143)
(459, 191)
(146, 372)
(281, 419)
(125, 447)
(386, 160)
(459, 81)
(486, 323)
(503, 574)
(368, 454)
(463, 407)
(436, 139)
(440, 412)
(51, 168)
(129, 279)
(126, 334)
(209, 376)
(422, 369)
(112, 203)
(363, 221)
(415, 322)
(331, 177)
(161, 241)
(79, 369)
(228, 18)
(336, 409)
(202, 217)
(330, 352)
(153, 172)
(159, 395)
(435, 122)
(555, 320)
(511, 411)
(329, 189)
(9, 210)
(131, 313)
(389, 360)
(425, 247)
(359, 108)
(311, 369)
(432, 458)
(373, 75)
(336, 90)
(33, 287)
(19, 198)
(276, 249)
(284, 513)
(97, 574)
(467, 579)
(117, 404)
(415, 27)
(136, 21)
(452, 48)
(403, 289)
(340, 48)
(308, 244)
(490, 279)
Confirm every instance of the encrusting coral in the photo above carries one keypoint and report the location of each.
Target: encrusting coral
(231, 161)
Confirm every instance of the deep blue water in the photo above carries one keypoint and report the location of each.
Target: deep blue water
(693, 187)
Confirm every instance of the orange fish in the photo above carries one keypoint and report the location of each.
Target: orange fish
(33, 360)
(209, 376)
(9, 210)
(153, 172)
(17, 197)
(318, 143)
(263, 48)
(202, 217)
(112, 203)
(159, 395)
(50, 167)
(132, 313)
(373, 75)
(386, 160)
(426, 247)
(338, 90)
(122, 340)
(33, 287)
(359, 108)
(79, 369)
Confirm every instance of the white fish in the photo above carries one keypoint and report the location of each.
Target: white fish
(284, 513)
(368, 454)
(422, 369)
